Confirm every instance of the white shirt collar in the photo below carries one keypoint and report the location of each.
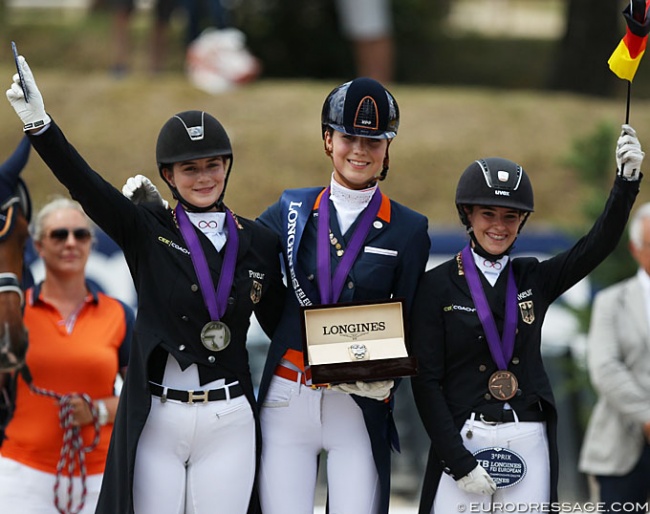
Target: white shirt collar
(349, 203)
(213, 225)
(491, 270)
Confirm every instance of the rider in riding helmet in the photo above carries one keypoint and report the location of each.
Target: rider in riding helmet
(188, 136)
(351, 422)
(187, 406)
(497, 182)
(482, 391)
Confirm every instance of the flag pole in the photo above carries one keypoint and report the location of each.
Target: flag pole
(627, 106)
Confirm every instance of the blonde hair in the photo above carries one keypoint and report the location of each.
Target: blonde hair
(56, 204)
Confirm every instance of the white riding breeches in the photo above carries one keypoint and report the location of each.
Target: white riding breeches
(195, 458)
(298, 423)
(530, 442)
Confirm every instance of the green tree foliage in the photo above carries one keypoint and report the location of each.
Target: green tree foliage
(592, 157)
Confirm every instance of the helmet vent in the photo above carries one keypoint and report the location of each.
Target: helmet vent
(366, 116)
(195, 133)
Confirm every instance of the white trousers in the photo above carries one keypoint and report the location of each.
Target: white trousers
(195, 458)
(26, 490)
(298, 423)
(529, 440)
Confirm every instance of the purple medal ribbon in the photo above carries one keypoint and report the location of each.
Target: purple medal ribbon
(330, 288)
(215, 303)
(501, 349)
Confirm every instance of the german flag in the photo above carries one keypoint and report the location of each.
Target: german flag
(624, 61)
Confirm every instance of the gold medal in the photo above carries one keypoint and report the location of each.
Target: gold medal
(503, 385)
(215, 336)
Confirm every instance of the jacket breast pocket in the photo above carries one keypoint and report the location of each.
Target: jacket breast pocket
(375, 271)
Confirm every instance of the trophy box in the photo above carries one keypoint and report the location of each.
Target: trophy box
(363, 341)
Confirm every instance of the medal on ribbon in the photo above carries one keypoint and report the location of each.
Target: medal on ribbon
(502, 384)
(215, 335)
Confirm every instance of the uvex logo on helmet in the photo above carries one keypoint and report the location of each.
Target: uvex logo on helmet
(494, 181)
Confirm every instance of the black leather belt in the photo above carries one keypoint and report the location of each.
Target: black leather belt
(533, 413)
(195, 396)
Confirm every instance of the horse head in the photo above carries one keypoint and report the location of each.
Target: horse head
(15, 214)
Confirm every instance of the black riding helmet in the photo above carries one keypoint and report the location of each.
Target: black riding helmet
(494, 181)
(364, 108)
(192, 135)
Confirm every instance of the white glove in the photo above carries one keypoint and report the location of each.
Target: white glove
(31, 111)
(629, 156)
(477, 481)
(140, 189)
(379, 390)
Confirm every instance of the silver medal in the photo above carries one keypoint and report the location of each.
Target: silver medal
(215, 336)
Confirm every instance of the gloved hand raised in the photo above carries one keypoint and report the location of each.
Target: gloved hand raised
(477, 481)
(140, 189)
(629, 156)
(379, 390)
(32, 112)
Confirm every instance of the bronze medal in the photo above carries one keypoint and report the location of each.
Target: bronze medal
(215, 336)
(503, 385)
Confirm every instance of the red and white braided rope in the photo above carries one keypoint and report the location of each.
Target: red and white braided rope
(72, 449)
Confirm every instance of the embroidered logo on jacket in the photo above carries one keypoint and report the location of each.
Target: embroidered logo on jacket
(454, 307)
(173, 245)
(256, 291)
(527, 312)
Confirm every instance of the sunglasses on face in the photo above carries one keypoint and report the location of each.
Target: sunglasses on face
(61, 234)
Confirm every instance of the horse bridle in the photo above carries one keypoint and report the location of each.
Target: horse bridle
(9, 282)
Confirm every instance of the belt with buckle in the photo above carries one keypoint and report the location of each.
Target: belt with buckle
(192, 396)
(298, 376)
(292, 374)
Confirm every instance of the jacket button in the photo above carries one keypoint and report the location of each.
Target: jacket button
(184, 318)
(211, 359)
(231, 300)
(310, 276)
(482, 367)
(519, 392)
(487, 396)
(181, 348)
(350, 285)
(194, 288)
(515, 360)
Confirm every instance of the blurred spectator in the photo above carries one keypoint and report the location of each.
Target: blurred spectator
(202, 14)
(368, 24)
(162, 11)
(616, 448)
(79, 340)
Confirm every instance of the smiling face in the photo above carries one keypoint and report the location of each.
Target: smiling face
(495, 228)
(199, 181)
(357, 160)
